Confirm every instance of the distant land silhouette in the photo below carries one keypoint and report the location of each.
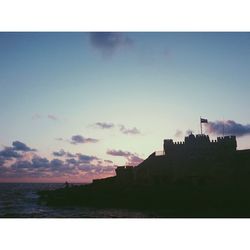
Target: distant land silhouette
(198, 177)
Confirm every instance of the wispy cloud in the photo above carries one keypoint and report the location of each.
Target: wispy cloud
(132, 158)
(178, 133)
(114, 152)
(230, 127)
(53, 117)
(104, 125)
(59, 139)
(122, 128)
(109, 42)
(36, 116)
(79, 139)
(49, 116)
(129, 131)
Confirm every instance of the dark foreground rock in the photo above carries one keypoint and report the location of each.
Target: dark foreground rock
(180, 201)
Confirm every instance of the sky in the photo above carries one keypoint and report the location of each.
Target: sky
(75, 105)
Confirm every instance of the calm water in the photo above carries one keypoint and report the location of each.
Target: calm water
(20, 200)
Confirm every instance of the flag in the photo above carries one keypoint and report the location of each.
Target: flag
(204, 120)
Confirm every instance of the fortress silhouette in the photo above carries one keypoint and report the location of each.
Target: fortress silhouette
(198, 177)
(161, 166)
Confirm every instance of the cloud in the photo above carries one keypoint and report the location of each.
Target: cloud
(70, 155)
(38, 167)
(178, 133)
(49, 116)
(104, 125)
(59, 153)
(71, 161)
(8, 153)
(36, 116)
(59, 139)
(114, 152)
(2, 161)
(122, 128)
(20, 146)
(230, 128)
(108, 161)
(56, 163)
(81, 157)
(131, 131)
(109, 42)
(39, 162)
(133, 159)
(20, 161)
(77, 139)
(84, 166)
(86, 158)
(19, 150)
(53, 117)
(21, 165)
(3, 170)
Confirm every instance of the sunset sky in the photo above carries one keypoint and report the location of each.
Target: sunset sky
(74, 105)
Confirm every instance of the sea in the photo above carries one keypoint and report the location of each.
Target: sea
(20, 200)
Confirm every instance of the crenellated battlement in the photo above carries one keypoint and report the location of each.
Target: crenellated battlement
(199, 144)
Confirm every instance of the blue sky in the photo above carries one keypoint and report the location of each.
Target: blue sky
(147, 85)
